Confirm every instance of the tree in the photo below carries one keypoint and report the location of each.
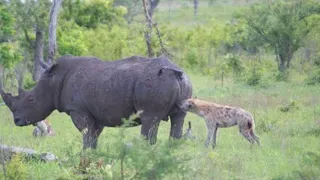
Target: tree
(134, 8)
(195, 7)
(52, 44)
(32, 16)
(147, 33)
(152, 6)
(282, 25)
(9, 54)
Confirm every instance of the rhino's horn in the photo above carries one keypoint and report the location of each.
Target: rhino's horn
(7, 97)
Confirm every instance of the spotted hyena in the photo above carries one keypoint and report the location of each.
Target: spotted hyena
(223, 116)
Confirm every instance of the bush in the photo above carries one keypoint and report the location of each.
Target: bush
(16, 169)
(235, 64)
(254, 77)
(314, 78)
(282, 76)
(28, 82)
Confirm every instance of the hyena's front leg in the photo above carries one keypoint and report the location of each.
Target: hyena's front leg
(211, 131)
(214, 141)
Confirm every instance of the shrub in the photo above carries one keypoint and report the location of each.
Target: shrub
(254, 77)
(16, 169)
(314, 78)
(28, 81)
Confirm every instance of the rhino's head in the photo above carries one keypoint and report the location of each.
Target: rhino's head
(30, 107)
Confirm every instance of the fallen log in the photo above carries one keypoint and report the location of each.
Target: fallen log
(6, 152)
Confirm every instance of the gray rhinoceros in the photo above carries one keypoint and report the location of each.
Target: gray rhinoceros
(97, 93)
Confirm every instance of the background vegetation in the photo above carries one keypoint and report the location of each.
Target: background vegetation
(259, 55)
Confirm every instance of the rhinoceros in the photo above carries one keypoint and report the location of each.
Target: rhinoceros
(98, 94)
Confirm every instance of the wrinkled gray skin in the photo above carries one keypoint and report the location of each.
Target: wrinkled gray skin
(96, 94)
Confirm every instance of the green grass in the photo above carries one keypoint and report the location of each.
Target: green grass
(286, 137)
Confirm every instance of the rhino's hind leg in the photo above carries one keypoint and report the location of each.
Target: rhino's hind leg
(177, 120)
(85, 124)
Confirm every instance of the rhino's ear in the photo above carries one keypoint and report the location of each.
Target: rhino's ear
(51, 70)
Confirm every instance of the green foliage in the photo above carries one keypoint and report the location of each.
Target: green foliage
(114, 44)
(7, 22)
(16, 169)
(91, 13)
(9, 55)
(235, 64)
(282, 76)
(314, 77)
(253, 78)
(71, 39)
(134, 8)
(28, 82)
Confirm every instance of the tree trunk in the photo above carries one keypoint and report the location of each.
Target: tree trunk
(281, 64)
(38, 54)
(152, 7)
(52, 46)
(19, 71)
(6, 153)
(1, 76)
(195, 6)
(285, 60)
(147, 32)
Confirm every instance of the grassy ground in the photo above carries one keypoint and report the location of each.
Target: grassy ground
(288, 138)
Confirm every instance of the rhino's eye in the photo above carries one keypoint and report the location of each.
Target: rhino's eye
(30, 99)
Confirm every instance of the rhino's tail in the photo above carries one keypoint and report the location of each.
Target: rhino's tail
(177, 72)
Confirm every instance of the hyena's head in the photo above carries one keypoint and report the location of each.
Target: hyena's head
(189, 105)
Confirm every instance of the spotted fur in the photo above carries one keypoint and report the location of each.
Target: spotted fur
(221, 116)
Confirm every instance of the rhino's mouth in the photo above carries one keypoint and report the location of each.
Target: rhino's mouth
(22, 122)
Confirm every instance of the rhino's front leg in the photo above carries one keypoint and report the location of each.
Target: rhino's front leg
(87, 126)
(149, 128)
(177, 120)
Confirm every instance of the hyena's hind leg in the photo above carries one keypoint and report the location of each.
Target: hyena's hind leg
(246, 134)
(254, 136)
(244, 129)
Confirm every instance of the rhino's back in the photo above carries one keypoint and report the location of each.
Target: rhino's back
(106, 89)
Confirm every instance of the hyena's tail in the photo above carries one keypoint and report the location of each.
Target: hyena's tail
(253, 135)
